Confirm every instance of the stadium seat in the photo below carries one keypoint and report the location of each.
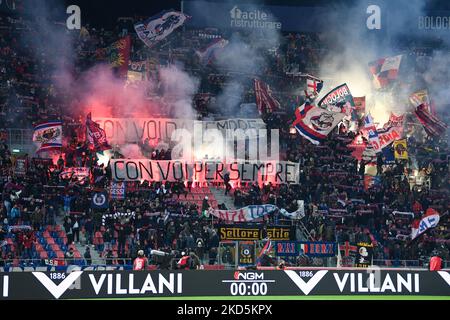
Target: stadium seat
(50, 240)
(58, 227)
(59, 254)
(61, 265)
(214, 267)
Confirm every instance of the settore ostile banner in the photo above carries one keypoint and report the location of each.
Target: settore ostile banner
(248, 232)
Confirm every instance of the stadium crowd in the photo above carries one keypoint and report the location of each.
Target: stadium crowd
(338, 206)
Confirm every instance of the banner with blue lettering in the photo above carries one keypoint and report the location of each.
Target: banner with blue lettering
(287, 248)
(318, 249)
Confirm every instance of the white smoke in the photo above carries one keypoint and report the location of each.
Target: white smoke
(131, 151)
(178, 89)
(353, 47)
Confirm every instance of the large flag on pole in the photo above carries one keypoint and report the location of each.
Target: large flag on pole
(96, 135)
(265, 101)
(48, 135)
(159, 26)
(421, 97)
(428, 221)
(394, 121)
(432, 125)
(313, 87)
(315, 123)
(117, 55)
(208, 54)
(372, 133)
(339, 99)
(385, 71)
(266, 249)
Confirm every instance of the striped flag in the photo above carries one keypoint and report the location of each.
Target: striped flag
(265, 101)
(48, 135)
(432, 125)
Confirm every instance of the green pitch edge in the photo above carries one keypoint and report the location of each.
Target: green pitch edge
(287, 298)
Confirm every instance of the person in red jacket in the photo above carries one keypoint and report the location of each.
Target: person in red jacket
(435, 262)
(141, 262)
(184, 262)
(28, 239)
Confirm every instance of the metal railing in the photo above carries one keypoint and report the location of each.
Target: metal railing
(20, 139)
(396, 263)
(126, 263)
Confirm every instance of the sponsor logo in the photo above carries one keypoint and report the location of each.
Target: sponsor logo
(118, 285)
(57, 290)
(306, 287)
(361, 283)
(252, 19)
(248, 276)
(445, 275)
